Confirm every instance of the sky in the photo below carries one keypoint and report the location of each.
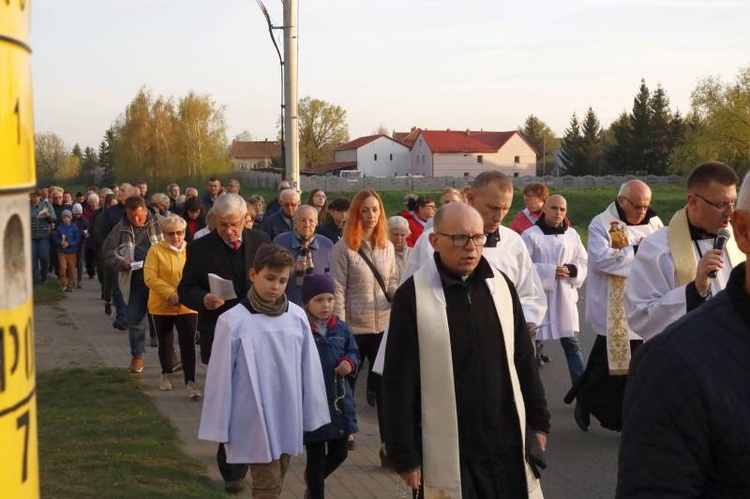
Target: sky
(437, 64)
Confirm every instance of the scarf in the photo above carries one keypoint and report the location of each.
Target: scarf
(304, 264)
(273, 309)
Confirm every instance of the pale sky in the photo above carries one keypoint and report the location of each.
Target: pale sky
(431, 63)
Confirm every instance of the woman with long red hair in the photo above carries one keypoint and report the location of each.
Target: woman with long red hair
(363, 264)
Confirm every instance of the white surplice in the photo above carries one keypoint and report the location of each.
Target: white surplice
(264, 385)
(604, 260)
(548, 252)
(653, 298)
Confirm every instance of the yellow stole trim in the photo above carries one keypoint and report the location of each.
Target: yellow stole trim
(441, 471)
(682, 249)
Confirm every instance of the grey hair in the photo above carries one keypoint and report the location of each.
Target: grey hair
(226, 204)
(172, 221)
(161, 199)
(624, 188)
(104, 191)
(743, 199)
(287, 192)
(302, 209)
(399, 222)
(93, 197)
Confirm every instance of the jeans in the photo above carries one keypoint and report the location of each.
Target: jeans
(573, 356)
(40, 259)
(119, 301)
(135, 312)
(185, 324)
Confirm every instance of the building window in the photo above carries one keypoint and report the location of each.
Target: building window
(391, 157)
(423, 159)
(480, 159)
(516, 174)
(516, 159)
(375, 157)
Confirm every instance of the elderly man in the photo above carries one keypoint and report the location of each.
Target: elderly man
(274, 206)
(561, 262)
(460, 384)
(614, 238)
(191, 192)
(310, 250)
(677, 268)
(281, 221)
(227, 251)
(233, 186)
(686, 419)
(213, 188)
(125, 251)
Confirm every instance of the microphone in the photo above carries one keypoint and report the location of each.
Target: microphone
(721, 241)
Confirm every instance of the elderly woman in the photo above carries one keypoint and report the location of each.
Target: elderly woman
(398, 231)
(534, 196)
(451, 195)
(363, 264)
(160, 204)
(258, 203)
(318, 200)
(162, 272)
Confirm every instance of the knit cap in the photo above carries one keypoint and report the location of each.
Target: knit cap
(316, 284)
(77, 209)
(66, 213)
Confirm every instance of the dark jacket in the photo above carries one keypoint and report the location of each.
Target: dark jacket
(338, 344)
(41, 225)
(71, 234)
(320, 248)
(208, 203)
(210, 254)
(276, 224)
(487, 418)
(686, 430)
(330, 230)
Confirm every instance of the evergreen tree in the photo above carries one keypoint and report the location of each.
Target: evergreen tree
(662, 133)
(105, 157)
(544, 141)
(89, 163)
(571, 150)
(616, 145)
(591, 145)
(77, 152)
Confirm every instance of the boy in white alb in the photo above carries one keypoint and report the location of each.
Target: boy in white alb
(264, 384)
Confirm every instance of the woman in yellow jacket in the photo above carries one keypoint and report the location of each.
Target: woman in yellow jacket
(162, 272)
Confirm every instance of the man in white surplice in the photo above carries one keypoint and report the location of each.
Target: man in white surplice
(614, 238)
(561, 262)
(461, 389)
(671, 272)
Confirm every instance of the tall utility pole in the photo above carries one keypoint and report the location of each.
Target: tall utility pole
(290, 92)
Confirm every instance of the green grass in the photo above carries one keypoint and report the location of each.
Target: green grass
(48, 293)
(101, 436)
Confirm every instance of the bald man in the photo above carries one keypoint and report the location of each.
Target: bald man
(614, 238)
(560, 260)
(458, 320)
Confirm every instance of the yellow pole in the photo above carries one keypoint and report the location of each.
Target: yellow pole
(19, 467)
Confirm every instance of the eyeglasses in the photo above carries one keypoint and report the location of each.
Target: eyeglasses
(290, 205)
(719, 206)
(462, 239)
(175, 233)
(235, 225)
(644, 207)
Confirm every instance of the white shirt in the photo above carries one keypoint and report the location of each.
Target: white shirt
(264, 385)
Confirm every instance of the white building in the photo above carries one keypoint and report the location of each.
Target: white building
(449, 153)
(371, 156)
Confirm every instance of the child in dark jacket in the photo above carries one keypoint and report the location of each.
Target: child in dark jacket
(67, 240)
(83, 232)
(339, 358)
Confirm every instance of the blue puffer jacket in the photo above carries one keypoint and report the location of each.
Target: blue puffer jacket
(71, 235)
(337, 345)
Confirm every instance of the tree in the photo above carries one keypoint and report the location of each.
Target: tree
(616, 145)
(202, 128)
(591, 144)
(244, 136)
(105, 157)
(382, 130)
(571, 150)
(640, 138)
(544, 141)
(89, 164)
(51, 154)
(322, 128)
(718, 126)
(77, 151)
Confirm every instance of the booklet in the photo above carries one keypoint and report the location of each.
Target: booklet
(221, 288)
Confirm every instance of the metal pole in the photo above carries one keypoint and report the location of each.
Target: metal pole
(290, 92)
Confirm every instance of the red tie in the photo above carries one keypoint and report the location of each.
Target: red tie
(236, 245)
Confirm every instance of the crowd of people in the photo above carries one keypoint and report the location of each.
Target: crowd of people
(449, 308)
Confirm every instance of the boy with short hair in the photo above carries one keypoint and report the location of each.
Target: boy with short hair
(83, 232)
(339, 358)
(67, 240)
(264, 384)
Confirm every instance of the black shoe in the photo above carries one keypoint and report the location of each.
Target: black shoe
(582, 416)
(119, 325)
(371, 398)
(384, 461)
(107, 308)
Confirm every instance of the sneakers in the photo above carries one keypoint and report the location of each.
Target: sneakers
(166, 382)
(193, 392)
(136, 364)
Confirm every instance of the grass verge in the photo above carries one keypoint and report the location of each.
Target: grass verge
(48, 293)
(101, 436)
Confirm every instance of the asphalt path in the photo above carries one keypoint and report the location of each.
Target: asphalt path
(580, 465)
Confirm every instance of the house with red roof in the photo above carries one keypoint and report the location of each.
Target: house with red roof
(372, 155)
(447, 153)
(252, 154)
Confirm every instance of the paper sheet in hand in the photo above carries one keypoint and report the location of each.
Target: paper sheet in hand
(136, 265)
(221, 288)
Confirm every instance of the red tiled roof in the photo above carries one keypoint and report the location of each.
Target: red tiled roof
(407, 138)
(330, 167)
(449, 141)
(253, 149)
(357, 143)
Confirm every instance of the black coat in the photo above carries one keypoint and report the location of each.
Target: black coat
(206, 255)
(686, 430)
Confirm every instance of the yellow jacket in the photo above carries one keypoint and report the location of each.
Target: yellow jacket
(162, 272)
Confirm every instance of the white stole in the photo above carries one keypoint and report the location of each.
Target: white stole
(618, 331)
(441, 471)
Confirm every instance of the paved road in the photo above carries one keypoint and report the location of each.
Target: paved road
(581, 465)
